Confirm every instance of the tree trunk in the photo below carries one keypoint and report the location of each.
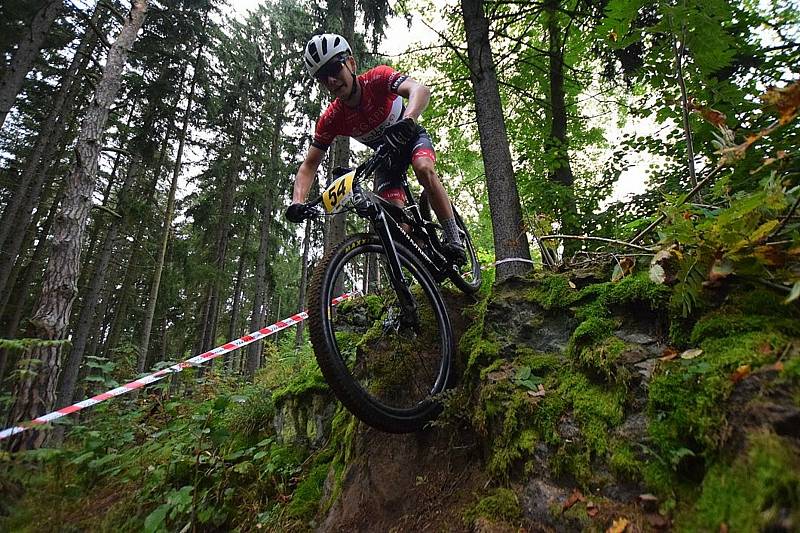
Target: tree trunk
(510, 239)
(35, 393)
(558, 144)
(23, 284)
(144, 340)
(228, 195)
(253, 361)
(17, 213)
(233, 331)
(343, 14)
(69, 375)
(27, 51)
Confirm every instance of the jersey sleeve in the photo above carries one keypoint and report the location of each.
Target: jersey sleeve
(390, 78)
(324, 133)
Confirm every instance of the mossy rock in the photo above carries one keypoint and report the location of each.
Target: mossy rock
(756, 491)
(500, 504)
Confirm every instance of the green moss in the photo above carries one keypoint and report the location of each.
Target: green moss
(624, 462)
(372, 304)
(791, 369)
(308, 379)
(638, 289)
(305, 498)
(552, 291)
(686, 403)
(604, 299)
(500, 505)
(540, 363)
(339, 451)
(589, 331)
(601, 359)
(750, 493)
(515, 421)
(596, 410)
(726, 322)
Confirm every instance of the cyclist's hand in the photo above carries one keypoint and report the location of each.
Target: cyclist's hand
(398, 134)
(297, 213)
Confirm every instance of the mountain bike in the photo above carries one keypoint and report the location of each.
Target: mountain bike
(386, 351)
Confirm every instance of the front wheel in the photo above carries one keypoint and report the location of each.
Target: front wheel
(386, 366)
(468, 277)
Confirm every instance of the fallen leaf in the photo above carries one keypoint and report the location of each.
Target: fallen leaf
(740, 373)
(537, 393)
(723, 528)
(765, 348)
(778, 366)
(612, 36)
(618, 526)
(624, 267)
(591, 509)
(691, 353)
(710, 114)
(721, 269)
(574, 498)
(668, 354)
(770, 255)
(572, 285)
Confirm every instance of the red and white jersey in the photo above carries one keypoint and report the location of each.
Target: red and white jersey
(380, 107)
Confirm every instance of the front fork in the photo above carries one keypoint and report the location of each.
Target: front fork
(407, 304)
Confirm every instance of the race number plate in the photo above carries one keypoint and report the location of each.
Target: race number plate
(338, 192)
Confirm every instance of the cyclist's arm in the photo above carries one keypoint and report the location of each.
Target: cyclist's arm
(418, 96)
(306, 174)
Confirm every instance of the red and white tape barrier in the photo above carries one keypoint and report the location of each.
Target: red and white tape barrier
(194, 361)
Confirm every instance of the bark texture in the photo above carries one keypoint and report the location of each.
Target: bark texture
(35, 393)
(510, 239)
(27, 51)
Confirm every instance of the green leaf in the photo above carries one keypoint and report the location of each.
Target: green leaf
(234, 455)
(523, 373)
(181, 498)
(243, 467)
(155, 520)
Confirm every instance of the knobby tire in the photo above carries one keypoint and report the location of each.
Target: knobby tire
(345, 345)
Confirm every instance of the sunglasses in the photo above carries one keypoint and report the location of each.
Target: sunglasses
(330, 69)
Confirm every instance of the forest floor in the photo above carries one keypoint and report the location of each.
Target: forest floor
(582, 405)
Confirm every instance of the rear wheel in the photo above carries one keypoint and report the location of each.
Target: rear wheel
(468, 277)
(386, 368)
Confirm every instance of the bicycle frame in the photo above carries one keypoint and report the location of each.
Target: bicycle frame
(385, 219)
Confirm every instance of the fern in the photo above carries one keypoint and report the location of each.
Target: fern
(690, 282)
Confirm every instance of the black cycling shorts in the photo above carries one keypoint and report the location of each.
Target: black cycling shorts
(389, 179)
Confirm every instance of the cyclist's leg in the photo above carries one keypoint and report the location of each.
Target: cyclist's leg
(423, 158)
(389, 184)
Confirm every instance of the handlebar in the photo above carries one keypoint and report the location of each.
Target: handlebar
(364, 169)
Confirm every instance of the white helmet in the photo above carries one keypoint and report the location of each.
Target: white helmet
(322, 48)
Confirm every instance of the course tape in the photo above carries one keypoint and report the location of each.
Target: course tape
(194, 361)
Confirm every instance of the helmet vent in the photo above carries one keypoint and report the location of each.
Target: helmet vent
(312, 51)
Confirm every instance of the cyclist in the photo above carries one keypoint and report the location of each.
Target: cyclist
(370, 108)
